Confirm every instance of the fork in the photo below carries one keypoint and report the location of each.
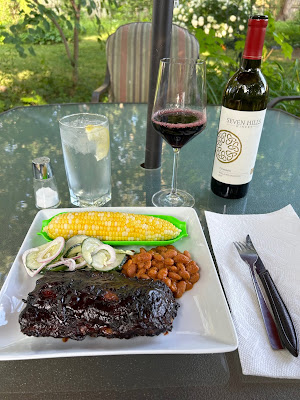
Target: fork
(250, 258)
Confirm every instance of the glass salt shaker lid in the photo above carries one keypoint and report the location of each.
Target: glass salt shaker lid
(41, 168)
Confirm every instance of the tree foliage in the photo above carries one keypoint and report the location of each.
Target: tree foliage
(39, 17)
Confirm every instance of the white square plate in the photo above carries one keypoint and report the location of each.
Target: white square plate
(203, 324)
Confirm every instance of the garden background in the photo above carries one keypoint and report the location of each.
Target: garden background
(53, 51)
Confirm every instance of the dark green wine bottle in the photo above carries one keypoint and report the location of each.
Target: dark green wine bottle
(243, 111)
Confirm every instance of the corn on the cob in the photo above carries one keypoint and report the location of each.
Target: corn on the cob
(111, 226)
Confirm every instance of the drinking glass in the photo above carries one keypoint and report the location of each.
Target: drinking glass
(179, 114)
(86, 150)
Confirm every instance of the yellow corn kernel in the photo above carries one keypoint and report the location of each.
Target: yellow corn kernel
(106, 225)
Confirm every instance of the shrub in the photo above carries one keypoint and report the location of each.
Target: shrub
(227, 19)
(290, 29)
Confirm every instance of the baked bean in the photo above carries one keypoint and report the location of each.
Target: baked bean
(192, 267)
(173, 286)
(187, 253)
(189, 285)
(170, 253)
(142, 257)
(169, 261)
(180, 267)
(124, 269)
(171, 247)
(167, 281)
(131, 270)
(158, 264)
(194, 277)
(176, 269)
(162, 273)
(160, 249)
(152, 272)
(158, 257)
(181, 258)
(175, 276)
(181, 286)
(185, 275)
(140, 265)
(141, 272)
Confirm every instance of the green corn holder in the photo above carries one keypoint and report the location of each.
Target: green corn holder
(179, 224)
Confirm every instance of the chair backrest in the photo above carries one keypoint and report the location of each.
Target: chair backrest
(128, 59)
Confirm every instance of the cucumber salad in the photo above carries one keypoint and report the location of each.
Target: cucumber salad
(79, 251)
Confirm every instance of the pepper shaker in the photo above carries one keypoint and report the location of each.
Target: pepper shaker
(44, 184)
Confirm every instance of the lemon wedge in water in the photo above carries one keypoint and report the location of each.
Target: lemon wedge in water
(100, 135)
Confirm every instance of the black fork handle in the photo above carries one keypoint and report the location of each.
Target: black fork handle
(267, 316)
(282, 317)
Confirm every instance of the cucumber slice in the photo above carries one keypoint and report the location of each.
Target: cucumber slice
(73, 251)
(75, 240)
(53, 251)
(31, 262)
(30, 258)
(31, 265)
(98, 261)
(98, 255)
(89, 247)
(121, 259)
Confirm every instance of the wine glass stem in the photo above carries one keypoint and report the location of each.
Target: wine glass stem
(175, 168)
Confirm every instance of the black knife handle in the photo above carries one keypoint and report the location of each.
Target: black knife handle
(270, 325)
(282, 317)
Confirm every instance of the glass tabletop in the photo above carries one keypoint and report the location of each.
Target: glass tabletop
(26, 133)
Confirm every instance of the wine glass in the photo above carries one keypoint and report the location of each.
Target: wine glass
(179, 114)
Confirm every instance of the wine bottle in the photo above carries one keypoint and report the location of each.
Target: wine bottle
(242, 115)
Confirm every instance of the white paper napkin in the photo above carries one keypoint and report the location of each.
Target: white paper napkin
(276, 237)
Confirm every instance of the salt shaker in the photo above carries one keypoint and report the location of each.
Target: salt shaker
(44, 184)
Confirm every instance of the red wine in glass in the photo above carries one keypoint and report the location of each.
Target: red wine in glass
(179, 115)
(179, 126)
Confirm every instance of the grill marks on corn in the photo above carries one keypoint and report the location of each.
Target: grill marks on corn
(107, 225)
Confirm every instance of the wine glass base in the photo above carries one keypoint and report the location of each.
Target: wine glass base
(164, 198)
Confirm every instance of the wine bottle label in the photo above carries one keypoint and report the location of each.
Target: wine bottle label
(237, 145)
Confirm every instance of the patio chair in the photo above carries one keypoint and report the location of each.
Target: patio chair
(272, 103)
(128, 61)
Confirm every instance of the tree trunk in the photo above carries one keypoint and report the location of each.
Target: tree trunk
(285, 12)
(76, 8)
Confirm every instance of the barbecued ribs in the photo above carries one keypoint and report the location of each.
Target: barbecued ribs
(91, 303)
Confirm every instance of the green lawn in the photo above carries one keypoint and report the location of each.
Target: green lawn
(47, 77)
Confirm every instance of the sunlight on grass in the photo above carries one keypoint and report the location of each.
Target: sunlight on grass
(6, 79)
(47, 77)
(23, 75)
(92, 38)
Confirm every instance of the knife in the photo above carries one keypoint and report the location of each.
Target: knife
(285, 326)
